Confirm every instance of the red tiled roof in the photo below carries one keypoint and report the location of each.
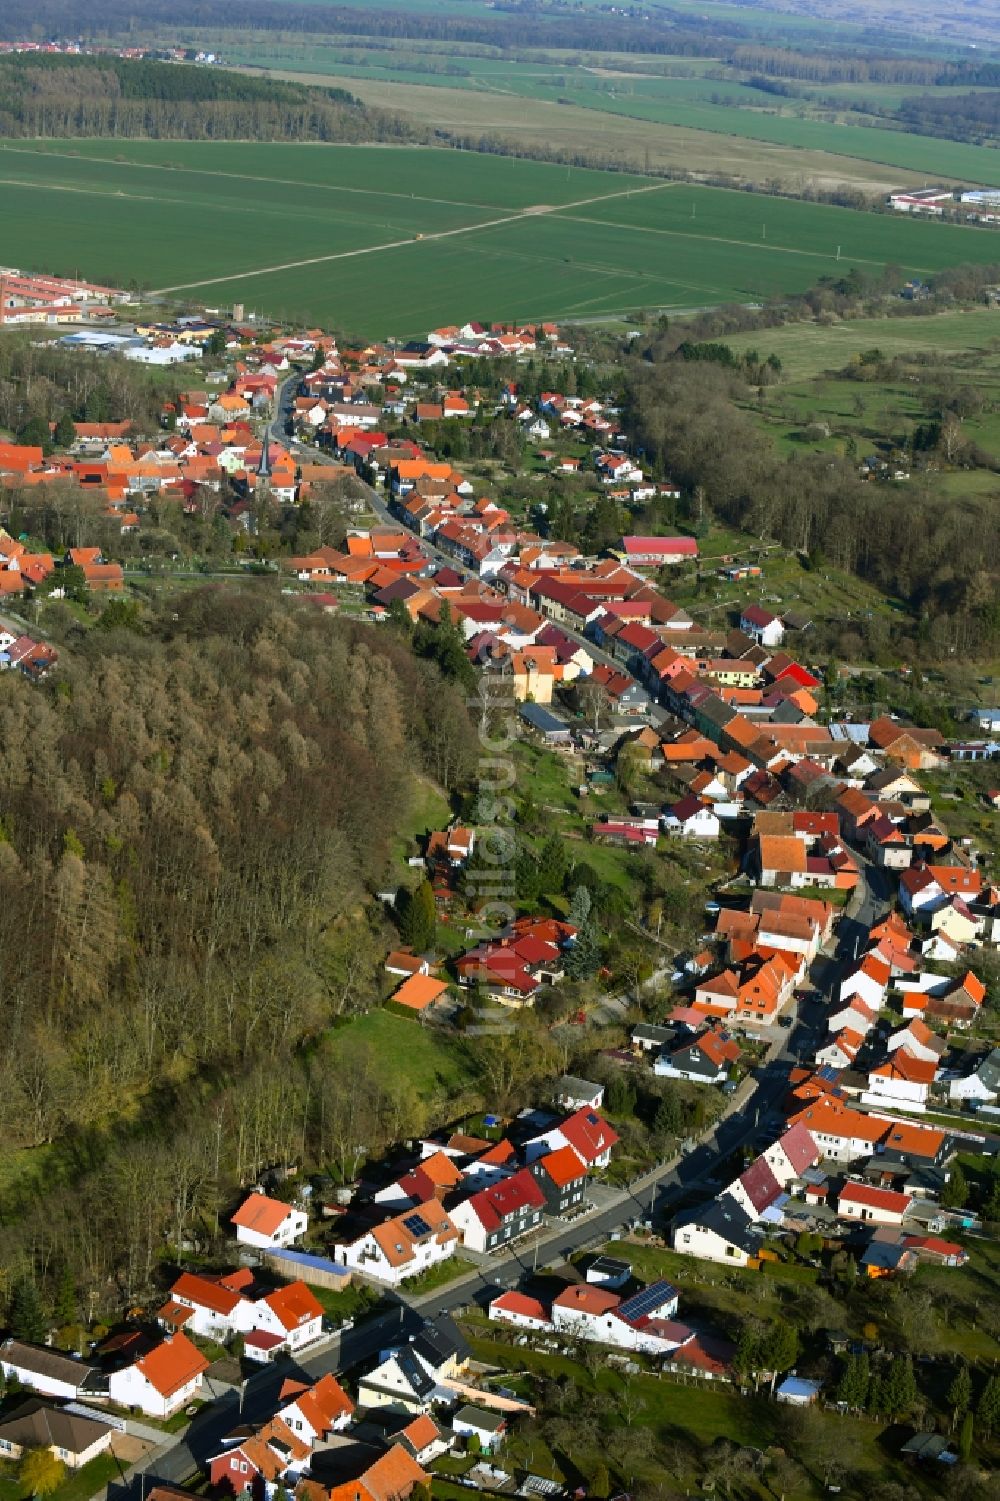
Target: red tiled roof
(172, 1365)
(563, 1166)
(520, 1303)
(261, 1214)
(874, 1198)
(589, 1133)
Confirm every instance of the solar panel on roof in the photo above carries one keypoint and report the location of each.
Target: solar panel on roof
(417, 1225)
(647, 1301)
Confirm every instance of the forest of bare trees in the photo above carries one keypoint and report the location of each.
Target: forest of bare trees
(944, 561)
(193, 819)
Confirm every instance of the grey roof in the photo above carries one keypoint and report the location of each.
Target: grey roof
(540, 719)
(692, 1060)
(420, 1382)
(887, 1256)
(988, 1071)
(478, 1417)
(37, 1425)
(926, 1445)
(570, 1084)
(646, 1032)
(727, 1220)
(610, 1266)
(41, 1361)
(441, 1341)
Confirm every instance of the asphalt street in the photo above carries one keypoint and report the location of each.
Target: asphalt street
(655, 1196)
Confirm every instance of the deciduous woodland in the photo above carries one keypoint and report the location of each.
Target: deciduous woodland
(692, 414)
(193, 822)
(88, 96)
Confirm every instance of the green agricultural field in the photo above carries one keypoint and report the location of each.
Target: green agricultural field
(383, 240)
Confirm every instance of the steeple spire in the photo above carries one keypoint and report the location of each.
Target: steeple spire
(264, 462)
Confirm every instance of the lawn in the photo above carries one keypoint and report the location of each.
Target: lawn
(431, 1061)
(353, 1303)
(429, 810)
(396, 240)
(439, 1275)
(79, 1485)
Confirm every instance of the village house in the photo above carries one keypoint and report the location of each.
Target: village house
(501, 1213)
(642, 1322)
(521, 1311)
(264, 1222)
(761, 626)
(706, 1059)
(73, 1437)
(50, 1371)
(562, 1177)
(162, 1382)
(414, 1377)
(902, 1081)
(874, 1206)
(719, 1230)
(403, 1247)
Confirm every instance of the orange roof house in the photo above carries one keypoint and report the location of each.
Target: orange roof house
(391, 1478)
(419, 991)
(781, 856)
(163, 1380)
(18, 458)
(262, 1215)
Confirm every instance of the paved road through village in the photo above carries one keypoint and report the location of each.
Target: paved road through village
(752, 1121)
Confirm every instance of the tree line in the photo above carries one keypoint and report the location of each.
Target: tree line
(849, 67)
(107, 96)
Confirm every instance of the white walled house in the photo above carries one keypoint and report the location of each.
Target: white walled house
(873, 1206)
(264, 1222)
(316, 1410)
(404, 1246)
(203, 1305)
(588, 1133)
(501, 1213)
(718, 1231)
(692, 819)
(521, 1311)
(643, 1322)
(48, 1371)
(71, 1436)
(291, 1313)
(761, 626)
(982, 1086)
(841, 1134)
(902, 1080)
(918, 1040)
(793, 1152)
(868, 982)
(160, 1383)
